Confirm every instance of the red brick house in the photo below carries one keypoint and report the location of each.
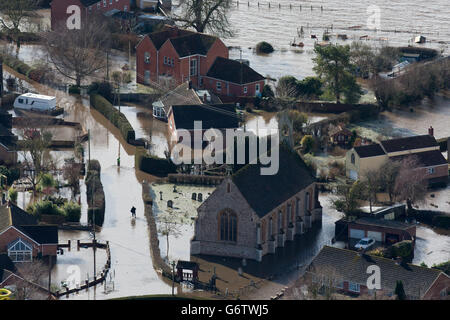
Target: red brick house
(175, 55)
(340, 136)
(22, 238)
(59, 8)
(228, 77)
(347, 271)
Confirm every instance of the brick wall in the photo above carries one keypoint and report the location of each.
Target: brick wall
(11, 235)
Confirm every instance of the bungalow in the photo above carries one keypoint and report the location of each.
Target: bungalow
(432, 163)
(249, 215)
(174, 55)
(347, 272)
(22, 238)
(60, 12)
(183, 94)
(340, 136)
(233, 78)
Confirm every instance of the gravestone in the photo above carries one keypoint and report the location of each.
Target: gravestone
(200, 197)
(194, 196)
(170, 204)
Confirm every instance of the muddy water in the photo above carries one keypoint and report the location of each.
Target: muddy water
(131, 261)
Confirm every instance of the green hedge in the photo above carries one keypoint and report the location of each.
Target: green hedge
(114, 116)
(153, 165)
(442, 221)
(95, 194)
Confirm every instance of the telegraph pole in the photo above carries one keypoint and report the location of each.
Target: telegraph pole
(92, 205)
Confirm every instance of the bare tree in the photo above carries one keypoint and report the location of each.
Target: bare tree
(410, 185)
(371, 180)
(205, 15)
(168, 226)
(34, 150)
(77, 54)
(388, 174)
(32, 282)
(71, 172)
(13, 12)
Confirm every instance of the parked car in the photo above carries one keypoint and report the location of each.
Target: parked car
(365, 243)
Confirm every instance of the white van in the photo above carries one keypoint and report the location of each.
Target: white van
(37, 102)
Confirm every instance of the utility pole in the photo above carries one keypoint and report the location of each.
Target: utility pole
(118, 98)
(173, 277)
(94, 244)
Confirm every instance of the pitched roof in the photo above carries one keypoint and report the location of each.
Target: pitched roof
(43, 234)
(370, 150)
(191, 44)
(158, 38)
(341, 130)
(409, 143)
(233, 71)
(178, 96)
(88, 3)
(426, 159)
(14, 216)
(217, 116)
(349, 266)
(383, 223)
(265, 192)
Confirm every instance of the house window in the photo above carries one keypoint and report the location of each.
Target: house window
(269, 235)
(20, 251)
(147, 57)
(172, 62)
(110, 1)
(104, 3)
(257, 88)
(245, 89)
(353, 287)
(228, 226)
(165, 60)
(353, 158)
(306, 202)
(430, 170)
(193, 67)
(289, 212)
(219, 86)
(297, 208)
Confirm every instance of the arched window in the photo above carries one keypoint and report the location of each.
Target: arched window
(228, 225)
(280, 221)
(353, 158)
(263, 230)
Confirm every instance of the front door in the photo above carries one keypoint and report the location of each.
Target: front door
(147, 77)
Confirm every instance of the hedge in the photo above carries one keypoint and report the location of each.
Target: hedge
(153, 165)
(22, 68)
(117, 118)
(95, 194)
(441, 221)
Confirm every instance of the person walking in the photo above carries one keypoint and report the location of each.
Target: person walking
(133, 212)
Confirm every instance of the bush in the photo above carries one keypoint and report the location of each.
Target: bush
(102, 88)
(307, 143)
(74, 90)
(403, 249)
(264, 47)
(117, 118)
(441, 221)
(45, 207)
(72, 212)
(95, 194)
(12, 194)
(11, 174)
(153, 165)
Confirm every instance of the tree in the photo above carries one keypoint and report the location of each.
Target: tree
(168, 226)
(71, 173)
(363, 57)
(77, 54)
(400, 291)
(298, 118)
(34, 147)
(333, 66)
(13, 12)
(32, 284)
(205, 15)
(310, 87)
(12, 194)
(371, 183)
(287, 87)
(347, 199)
(387, 176)
(410, 185)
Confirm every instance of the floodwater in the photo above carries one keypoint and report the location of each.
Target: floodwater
(280, 26)
(131, 261)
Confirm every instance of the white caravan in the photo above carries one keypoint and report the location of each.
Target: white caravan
(35, 102)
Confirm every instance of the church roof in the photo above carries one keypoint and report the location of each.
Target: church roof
(265, 192)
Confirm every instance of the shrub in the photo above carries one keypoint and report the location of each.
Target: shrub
(74, 90)
(95, 194)
(46, 207)
(12, 194)
(267, 91)
(307, 143)
(264, 47)
(11, 174)
(102, 88)
(117, 118)
(72, 212)
(441, 221)
(403, 249)
(94, 165)
(153, 165)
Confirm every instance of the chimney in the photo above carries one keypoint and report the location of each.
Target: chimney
(431, 131)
